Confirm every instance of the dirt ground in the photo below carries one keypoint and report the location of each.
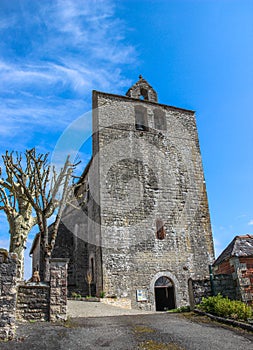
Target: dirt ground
(127, 331)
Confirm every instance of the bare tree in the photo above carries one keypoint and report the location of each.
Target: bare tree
(29, 194)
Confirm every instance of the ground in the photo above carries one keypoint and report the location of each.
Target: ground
(128, 330)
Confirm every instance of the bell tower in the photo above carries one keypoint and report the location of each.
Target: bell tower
(145, 220)
(147, 179)
(143, 91)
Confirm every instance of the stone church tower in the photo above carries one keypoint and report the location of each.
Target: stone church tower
(145, 230)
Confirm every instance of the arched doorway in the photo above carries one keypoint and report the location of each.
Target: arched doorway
(164, 294)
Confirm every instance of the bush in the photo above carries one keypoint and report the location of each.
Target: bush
(180, 309)
(224, 307)
(102, 294)
(75, 295)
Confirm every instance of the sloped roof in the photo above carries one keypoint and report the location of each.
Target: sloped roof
(34, 243)
(240, 246)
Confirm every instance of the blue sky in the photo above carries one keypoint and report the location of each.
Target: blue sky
(197, 54)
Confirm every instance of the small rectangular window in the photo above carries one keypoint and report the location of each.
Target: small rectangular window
(160, 230)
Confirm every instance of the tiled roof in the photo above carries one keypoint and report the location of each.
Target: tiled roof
(240, 246)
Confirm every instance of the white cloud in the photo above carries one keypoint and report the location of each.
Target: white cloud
(27, 74)
(69, 48)
(250, 222)
(74, 46)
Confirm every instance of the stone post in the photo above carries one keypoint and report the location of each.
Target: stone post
(58, 289)
(8, 294)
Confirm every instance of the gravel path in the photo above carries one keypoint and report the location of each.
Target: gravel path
(96, 309)
(142, 331)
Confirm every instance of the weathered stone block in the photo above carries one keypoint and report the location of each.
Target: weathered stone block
(8, 266)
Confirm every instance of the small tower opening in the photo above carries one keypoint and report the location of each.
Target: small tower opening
(143, 94)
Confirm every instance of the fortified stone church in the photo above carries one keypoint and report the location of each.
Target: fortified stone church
(143, 228)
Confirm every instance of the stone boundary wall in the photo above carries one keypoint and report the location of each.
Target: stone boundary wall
(120, 302)
(199, 289)
(225, 285)
(58, 289)
(47, 301)
(33, 302)
(40, 302)
(8, 292)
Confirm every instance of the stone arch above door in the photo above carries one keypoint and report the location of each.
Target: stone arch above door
(173, 280)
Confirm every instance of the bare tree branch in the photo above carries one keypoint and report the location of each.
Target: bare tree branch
(30, 186)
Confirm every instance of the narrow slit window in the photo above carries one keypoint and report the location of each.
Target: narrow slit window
(160, 230)
(92, 269)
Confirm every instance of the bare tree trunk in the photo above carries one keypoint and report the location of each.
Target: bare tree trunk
(18, 240)
(17, 247)
(20, 226)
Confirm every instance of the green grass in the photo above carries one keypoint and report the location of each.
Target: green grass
(180, 309)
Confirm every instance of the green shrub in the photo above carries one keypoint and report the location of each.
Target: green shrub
(180, 309)
(102, 294)
(224, 307)
(75, 295)
(208, 304)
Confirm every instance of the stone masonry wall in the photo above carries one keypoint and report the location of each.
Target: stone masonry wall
(225, 285)
(45, 302)
(58, 289)
(8, 291)
(33, 302)
(199, 289)
(30, 302)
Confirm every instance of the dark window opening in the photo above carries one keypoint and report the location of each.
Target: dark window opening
(160, 119)
(160, 230)
(141, 118)
(92, 269)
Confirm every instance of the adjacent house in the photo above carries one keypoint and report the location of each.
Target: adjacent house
(236, 261)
